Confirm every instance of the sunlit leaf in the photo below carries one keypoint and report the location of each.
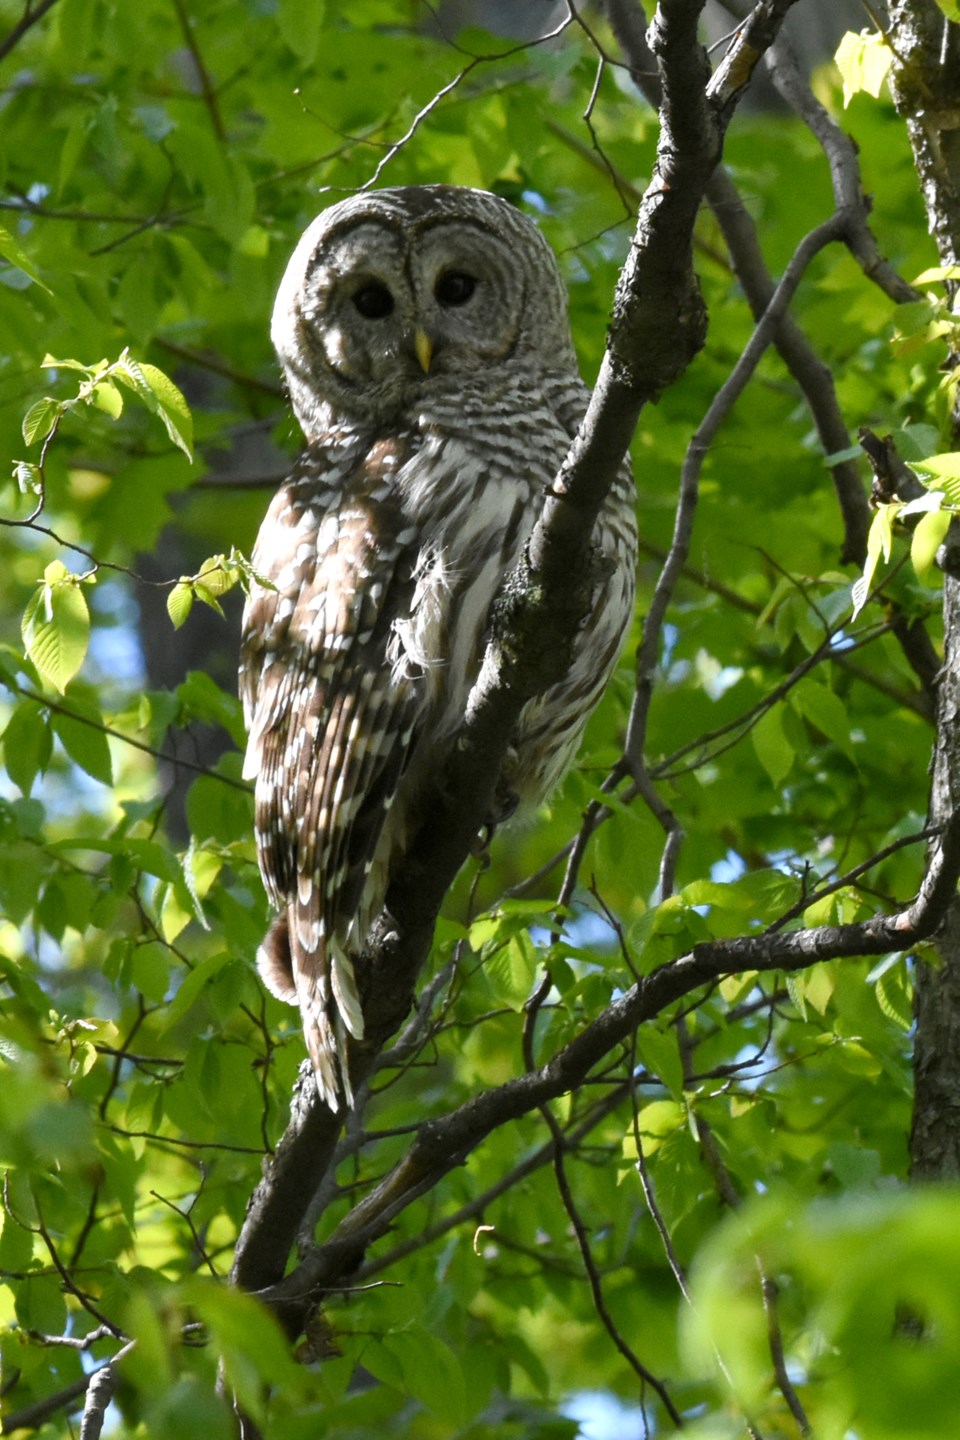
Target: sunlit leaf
(929, 534)
(864, 61)
(879, 543)
(56, 629)
(40, 419)
(180, 603)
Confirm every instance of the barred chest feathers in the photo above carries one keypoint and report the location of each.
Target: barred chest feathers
(424, 339)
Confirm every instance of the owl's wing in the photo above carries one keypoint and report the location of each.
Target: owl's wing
(330, 721)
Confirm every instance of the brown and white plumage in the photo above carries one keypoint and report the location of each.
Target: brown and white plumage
(424, 339)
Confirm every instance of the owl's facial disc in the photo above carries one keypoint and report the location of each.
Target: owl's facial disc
(361, 305)
(392, 307)
(468, 295)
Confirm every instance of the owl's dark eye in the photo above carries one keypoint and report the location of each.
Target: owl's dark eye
(455, 288)
(373, 301)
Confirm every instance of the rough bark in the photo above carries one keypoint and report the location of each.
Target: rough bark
(925, 79)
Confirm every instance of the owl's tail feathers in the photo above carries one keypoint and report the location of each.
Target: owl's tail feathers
(275, 962)
(329, 1010)
(327, 1046)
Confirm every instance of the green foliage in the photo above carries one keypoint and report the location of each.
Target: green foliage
(864, 1337)
(144, 1072)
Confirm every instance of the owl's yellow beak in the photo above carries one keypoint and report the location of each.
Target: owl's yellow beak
(423, 349)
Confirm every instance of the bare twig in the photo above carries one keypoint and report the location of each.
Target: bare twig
(593, 1275)
(768, 1289)
(26, 22)
(207, 88)
(448, 89)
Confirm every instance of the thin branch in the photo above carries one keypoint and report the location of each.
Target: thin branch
(176, 1140)
(593, 1275)
(850, 876)
(198, 1245)
(479, 1205)
(218, 367)
(103, 1383)
(54, 705)
(825, 234)
(32, 1417)
(207, 88)
(768, 1289)
(449, 88)
(69, 1284)
(649, 1194)
(444, 1143)
(26, 22)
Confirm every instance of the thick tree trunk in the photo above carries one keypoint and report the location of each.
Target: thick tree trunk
(926, 86)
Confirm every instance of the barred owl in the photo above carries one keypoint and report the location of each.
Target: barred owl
(424, 339)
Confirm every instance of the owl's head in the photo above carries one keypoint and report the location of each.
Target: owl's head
(396, 294)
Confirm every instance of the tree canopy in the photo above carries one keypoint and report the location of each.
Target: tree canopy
(641, 1146)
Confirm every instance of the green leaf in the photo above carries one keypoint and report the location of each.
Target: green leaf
(772, 747)
(148, 855)
(863, 61)
(300, 27)
(180, 603)
(167, 393)
(150, 971)
(936, 274)
(218, 575)
(11, 250)
(108, 398)
(879, 542)
(203, 699)
(194, 984)
(40, 419)
(895, 999)
(248, 1340)
(161, 396)
(40, 1305)
(431, 1372)
(660, 1053)
(511, 970)
(29, 477)
(207, 597)
(941, 473)
(819, 983)
(826, 711)
(656, 1123)
(814, 986)
(27, 745)
(56, 629)
(255, 242)
(83, 736)
(49, 362)
(929, 534)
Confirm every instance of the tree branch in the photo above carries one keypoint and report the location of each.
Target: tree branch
(658, 326)
(442, 1144)
(26, 22)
